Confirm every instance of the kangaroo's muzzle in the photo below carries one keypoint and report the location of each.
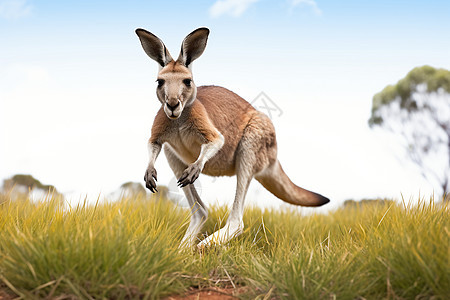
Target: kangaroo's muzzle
(173, 109)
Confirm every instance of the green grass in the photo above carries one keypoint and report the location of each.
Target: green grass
(128, 249)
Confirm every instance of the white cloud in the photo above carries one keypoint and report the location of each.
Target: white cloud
(234, 8)
(310, 3)
(13, 9)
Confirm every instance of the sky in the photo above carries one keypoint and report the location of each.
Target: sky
(77, 92)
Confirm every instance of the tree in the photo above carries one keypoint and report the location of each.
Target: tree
(133, 189)
(26, 182)
(367, 203)
(417, 109)
(26, 187)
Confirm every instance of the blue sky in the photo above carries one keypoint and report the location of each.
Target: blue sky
(77, 92)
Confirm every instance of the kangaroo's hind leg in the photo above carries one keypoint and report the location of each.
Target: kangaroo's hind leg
(256, 151)
(199, 214)
(235, 224)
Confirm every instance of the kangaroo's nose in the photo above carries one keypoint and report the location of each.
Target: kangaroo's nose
(172, 107)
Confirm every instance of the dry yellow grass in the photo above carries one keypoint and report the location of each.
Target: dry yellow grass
(128, 249)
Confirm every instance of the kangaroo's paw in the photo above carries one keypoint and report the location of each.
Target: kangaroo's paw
(150, 179)
(189, 175)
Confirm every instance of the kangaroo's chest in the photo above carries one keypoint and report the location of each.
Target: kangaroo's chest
(186, 144)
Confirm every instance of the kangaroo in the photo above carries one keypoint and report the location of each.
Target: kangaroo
(211, 130)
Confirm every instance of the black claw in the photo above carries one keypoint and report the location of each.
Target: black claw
(183, 183)
(182, 178)
(151, 185)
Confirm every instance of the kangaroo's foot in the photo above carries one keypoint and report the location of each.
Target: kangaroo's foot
(198, 218)
(223, 235)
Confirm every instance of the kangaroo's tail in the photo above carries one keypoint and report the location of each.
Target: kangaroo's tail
(278, 183)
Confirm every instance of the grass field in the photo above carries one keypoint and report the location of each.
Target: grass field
(128, 249)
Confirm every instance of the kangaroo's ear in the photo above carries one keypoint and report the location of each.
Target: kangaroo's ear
(154, 47)
(193, 46)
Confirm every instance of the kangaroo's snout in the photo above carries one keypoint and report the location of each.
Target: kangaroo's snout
(173, 108)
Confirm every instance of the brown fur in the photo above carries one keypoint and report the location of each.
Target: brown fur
(175, 68)
(218, 109)
(278, 183)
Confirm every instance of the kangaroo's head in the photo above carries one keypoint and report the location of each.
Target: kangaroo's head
(176, 89)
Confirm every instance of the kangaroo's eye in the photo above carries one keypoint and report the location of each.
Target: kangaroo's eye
(160, 82)
(187, 82)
